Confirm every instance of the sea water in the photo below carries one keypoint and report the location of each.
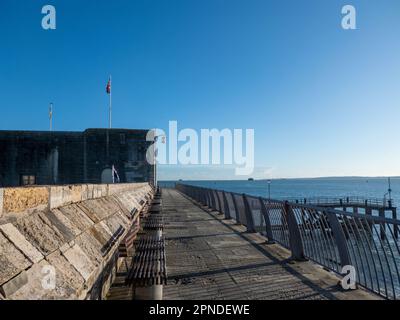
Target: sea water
(307, 188)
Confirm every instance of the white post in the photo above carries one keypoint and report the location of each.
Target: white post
(154, 161)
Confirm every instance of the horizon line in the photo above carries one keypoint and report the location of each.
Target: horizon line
(266, 179)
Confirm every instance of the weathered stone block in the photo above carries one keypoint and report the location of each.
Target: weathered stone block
(66, 273)
(12, 261)
(77, 216)
(13, 234)
(45, 282)
(101, 233)
(64, 195)
(38, 231)
(57, 217)
(16, 283)
(21, 199)
(95, 209)
(90, 246)
(60, 226)
(80, 261)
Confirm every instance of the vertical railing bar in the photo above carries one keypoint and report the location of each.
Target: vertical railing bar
(273, 220)
(216, 200)
(212, 199)
(379, 259)
(231, 202)
(240, 203)
(280, 224)
(265, 213)
(394, 260)
(340, 238)
(207, 191)
(354, 245)
(227, 210)
(331, 241)
(372, 256)
(325, 240)
(237, 213)
(219, 202)
(398, 251)
(276, 232)
(248, 212)
(309, 244)
(277, 223)
(387, 262)
(366, 255)
(313, 252)
(285, 226)
(317, 252)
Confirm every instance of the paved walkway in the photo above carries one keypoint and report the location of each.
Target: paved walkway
(212, 258)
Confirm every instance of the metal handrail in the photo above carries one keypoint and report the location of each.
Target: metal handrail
(327, 236)
(352, 200)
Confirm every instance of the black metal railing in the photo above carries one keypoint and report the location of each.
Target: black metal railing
(345, 201)
(331, 238)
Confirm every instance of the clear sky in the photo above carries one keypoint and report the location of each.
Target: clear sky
(323, 101)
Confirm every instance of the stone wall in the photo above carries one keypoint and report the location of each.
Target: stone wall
(61, 242)
(18, 201)
(58, 158)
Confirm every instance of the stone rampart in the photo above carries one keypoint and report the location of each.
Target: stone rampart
(61, 242)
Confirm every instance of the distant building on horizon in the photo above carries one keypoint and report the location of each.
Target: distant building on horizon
(62, 157)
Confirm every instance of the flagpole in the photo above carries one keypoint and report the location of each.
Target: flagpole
(51, 116)
(110, 109)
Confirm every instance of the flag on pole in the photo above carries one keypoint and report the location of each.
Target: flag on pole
(108, 88)
(51, 116)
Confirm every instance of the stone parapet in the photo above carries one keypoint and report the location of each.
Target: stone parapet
(14, 201)
(62, 242)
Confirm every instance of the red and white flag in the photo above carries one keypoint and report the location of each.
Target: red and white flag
(108, 88)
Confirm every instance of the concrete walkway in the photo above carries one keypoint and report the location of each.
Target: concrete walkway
(212, 258)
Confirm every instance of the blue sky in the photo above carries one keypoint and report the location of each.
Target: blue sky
(322, 101)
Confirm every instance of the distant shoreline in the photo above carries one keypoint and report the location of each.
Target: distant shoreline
(275, 179)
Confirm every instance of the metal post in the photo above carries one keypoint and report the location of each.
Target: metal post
(368, 212)
(204, 192)
(249, 215)
(268, 227)
(195, 192)
(237, 214)
(340, 239)
(295, 241)
(218, 201)
(208, 203)
(213, 204)
(395, 227)
(201, 196)
(226, 206)
(382, 224)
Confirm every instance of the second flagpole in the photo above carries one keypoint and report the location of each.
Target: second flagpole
(110, 108)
